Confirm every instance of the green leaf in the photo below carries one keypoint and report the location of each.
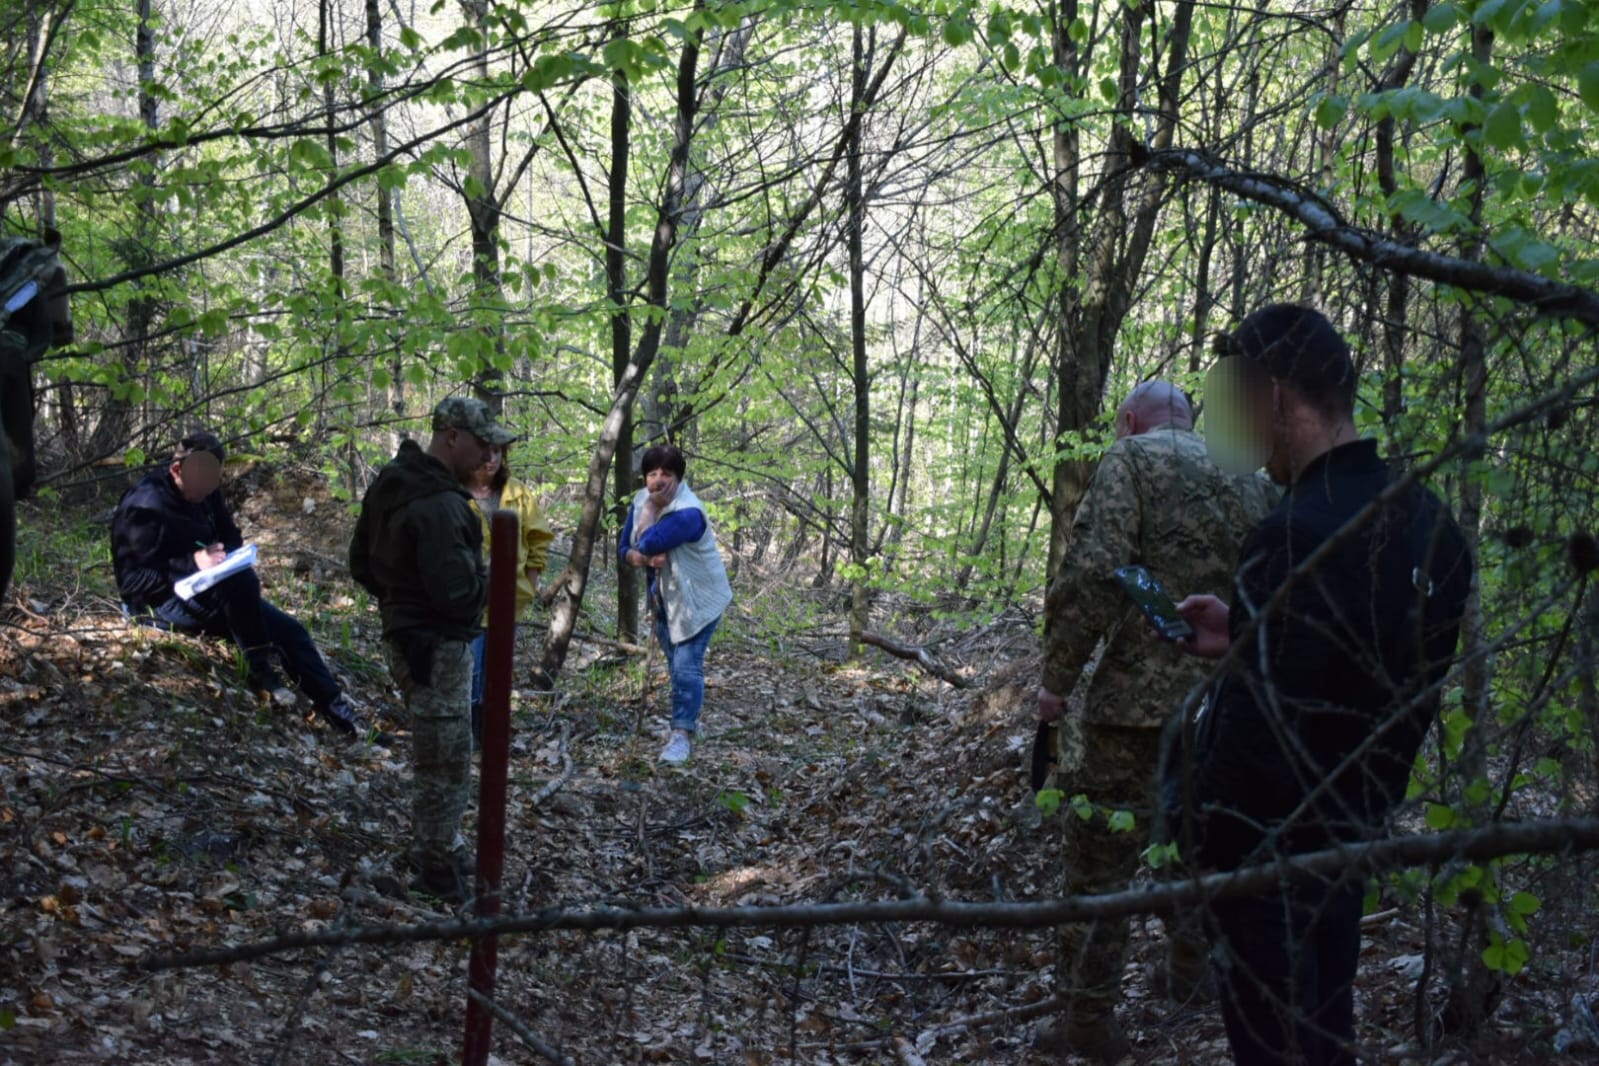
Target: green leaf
(1160, 856)
(1120, 821)
(1588, 84)
(1500, 482)
(1506, 956)
(1525, 903)
(1107, 89)
(214, 323)
(1441, 18)
(734, 801)
(311, 153)
(958, 30)
(1331, 110)
(1048, 801)
(8, 1019)
(409, 38)
(1489, 11)
(1440, 816)
(1502, 128)
(1542, 111)
(1388, 41)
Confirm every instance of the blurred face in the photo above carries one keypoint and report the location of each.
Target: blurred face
(661, 484)
(197, 476)
(1239, 419)
(467, 454)
(483, 476)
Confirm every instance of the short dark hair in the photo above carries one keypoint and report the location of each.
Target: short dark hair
(668, 457)
(199, 441)
(1299, 347)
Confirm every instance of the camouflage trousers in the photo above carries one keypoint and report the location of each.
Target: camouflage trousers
(441, 749)
(1116, 772)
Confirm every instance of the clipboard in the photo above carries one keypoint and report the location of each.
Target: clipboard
(197, 582)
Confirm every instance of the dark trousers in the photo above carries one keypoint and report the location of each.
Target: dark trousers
(1286, 964)
(234, 608)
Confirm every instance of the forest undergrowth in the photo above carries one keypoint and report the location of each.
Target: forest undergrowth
(148, 805)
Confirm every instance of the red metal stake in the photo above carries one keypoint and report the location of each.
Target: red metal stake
(491, 778)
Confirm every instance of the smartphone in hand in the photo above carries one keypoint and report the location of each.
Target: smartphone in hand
(1146, 591)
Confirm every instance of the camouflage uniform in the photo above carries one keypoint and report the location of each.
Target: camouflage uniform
(418, 548)
(441, 749)
(1156, 500)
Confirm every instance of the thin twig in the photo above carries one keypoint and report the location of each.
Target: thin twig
(523, 1033)
(567, 768)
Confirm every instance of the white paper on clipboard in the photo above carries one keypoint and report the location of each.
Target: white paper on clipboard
(197, 582)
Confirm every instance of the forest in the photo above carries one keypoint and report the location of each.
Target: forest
(883, 270)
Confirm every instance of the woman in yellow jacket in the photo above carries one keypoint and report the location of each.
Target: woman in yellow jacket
(492, 488)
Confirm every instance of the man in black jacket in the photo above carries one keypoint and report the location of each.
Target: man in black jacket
(173, 524)
(1346, 607)
(418, 548)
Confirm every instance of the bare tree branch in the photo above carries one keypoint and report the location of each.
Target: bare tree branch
(1550, 297)
(1560, 836)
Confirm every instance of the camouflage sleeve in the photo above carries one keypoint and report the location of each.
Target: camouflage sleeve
(1084, 600)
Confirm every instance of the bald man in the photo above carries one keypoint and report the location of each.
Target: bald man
(1157, 500)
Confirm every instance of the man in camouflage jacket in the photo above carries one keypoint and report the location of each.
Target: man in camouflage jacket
(1157, 500)
(418, 548)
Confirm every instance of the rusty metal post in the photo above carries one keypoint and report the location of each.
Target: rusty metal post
(501, 645)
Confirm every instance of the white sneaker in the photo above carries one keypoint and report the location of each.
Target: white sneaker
(677, 749)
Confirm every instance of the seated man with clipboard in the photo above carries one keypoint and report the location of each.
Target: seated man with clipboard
(172, 533)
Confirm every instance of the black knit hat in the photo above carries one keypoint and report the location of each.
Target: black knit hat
(1297, 346)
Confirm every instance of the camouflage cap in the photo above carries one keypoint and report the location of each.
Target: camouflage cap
(472, 415)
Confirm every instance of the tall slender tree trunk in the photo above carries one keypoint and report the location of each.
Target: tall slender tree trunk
(1470, 982)
(1094, 305)
(114, 426)
(335, 210)
(627, 585)
(388, 267)
(483, 215)
(661, 415)
(570, 585)
(860, 457)
(1396, 307)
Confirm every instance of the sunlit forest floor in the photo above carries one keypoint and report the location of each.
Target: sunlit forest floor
(149, 805)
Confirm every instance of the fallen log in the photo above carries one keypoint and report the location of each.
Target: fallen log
(919, 655)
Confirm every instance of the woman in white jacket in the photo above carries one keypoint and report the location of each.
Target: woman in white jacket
(668, 534)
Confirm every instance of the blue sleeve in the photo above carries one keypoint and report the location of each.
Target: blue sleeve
(625, 536)
(673, 531)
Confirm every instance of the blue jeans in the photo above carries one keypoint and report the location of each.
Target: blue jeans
(1287, 971)
(234, 608)
(479, 657)
(686, 663)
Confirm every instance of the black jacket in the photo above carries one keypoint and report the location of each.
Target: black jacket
(1310, 737)
(418, 547)
(155, 534)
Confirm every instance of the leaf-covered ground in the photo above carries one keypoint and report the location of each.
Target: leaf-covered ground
(148, 805)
